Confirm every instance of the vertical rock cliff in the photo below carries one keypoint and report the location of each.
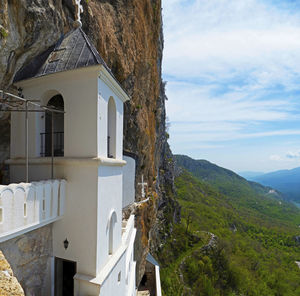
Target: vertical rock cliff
(128, 35)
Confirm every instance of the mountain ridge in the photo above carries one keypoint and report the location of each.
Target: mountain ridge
(286, 181)
(222, 178)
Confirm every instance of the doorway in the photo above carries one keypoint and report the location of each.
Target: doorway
(64, 274)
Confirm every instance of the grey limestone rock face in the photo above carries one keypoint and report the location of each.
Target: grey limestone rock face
(27, 29)
(29, 256)
(9, 285)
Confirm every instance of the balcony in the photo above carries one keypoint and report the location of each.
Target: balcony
(28, 206)
(46, 144)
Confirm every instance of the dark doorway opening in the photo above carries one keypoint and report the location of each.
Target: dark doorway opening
(64, 274)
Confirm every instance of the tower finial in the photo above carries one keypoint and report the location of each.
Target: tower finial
(79, 10)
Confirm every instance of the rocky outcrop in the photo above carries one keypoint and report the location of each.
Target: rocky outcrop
(9, 285)
(128, 35)
(27, 29)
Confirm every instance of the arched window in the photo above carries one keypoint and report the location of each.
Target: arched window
(111, 128)
(111, 225)
(58, 129)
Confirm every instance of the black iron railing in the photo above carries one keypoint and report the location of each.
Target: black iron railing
(58, 144)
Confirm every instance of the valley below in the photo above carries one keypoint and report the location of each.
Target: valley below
(234, 238)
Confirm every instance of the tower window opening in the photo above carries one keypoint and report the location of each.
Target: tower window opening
(53, 121)
(111, 128)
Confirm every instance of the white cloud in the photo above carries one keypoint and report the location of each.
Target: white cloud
(190, 135)
(201, 104)
(293, 154)
(275, 157)
(290, 156)
(223, 39)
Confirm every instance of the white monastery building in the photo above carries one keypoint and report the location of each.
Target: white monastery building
(77, 178)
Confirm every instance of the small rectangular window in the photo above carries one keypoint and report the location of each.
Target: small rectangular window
(25, 209)
(119, 277)
(43, 205)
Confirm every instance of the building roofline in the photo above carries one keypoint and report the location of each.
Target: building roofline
(70, 52)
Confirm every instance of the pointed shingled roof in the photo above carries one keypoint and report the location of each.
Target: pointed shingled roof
(72, 51)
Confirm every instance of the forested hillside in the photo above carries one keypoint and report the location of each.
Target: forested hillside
(224, 180)
(239, 243)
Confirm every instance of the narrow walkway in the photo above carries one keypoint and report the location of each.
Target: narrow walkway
(180, 261)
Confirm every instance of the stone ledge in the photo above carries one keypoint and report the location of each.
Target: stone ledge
(103, 161)
(27, 228)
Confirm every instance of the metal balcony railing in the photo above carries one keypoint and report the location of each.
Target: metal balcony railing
(58, 144)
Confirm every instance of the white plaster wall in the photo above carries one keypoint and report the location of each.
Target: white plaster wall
(109, 199)
(79, 91)
(17, 139)
(104, 93)
(128, 181)
(111, 285)
(37, 172)
(79, 224)
(83, 288)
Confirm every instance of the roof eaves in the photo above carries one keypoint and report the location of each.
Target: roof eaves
(151, 259)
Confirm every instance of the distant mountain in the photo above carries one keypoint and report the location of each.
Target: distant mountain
(226, 181)
(249, 175)
(286, 181)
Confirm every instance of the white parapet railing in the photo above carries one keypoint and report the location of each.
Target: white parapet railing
(121, 259)
(157, 279)
(127, 228)
(28, 206)
(128, 238)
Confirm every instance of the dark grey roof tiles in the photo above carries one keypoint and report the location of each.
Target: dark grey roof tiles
(72, 51)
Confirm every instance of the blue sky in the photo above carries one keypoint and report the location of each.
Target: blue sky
(233, 81)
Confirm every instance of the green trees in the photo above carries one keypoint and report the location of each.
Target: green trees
(253, 252)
